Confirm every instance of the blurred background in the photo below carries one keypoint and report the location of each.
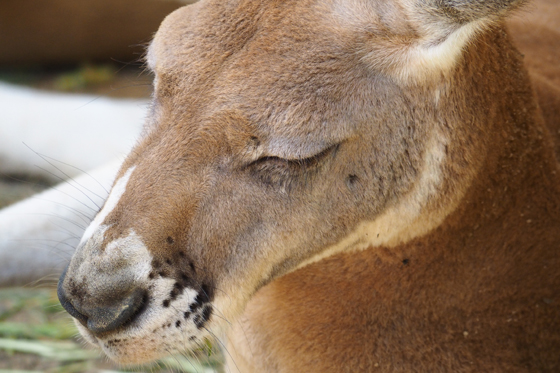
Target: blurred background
(78, 47)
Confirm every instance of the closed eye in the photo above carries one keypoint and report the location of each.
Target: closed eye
(299, 162)
(287, 173)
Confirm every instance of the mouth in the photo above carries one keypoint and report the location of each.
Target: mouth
(145, 325)
(156, 332)
(101, 320)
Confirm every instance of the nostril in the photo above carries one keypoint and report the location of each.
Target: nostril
(108, 318)
(108, 314)
(66, 304)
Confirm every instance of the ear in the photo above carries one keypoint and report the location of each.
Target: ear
(436, 35)
(461, 12)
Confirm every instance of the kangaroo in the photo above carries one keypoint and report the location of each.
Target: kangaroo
(337, 186)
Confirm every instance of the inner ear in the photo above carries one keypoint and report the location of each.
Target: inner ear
(441, 31)
(422, 59)
(467, 11)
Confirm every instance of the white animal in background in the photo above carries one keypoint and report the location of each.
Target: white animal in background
(83, 131)
(57, 137)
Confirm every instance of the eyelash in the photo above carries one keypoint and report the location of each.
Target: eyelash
(276, 171)
(301, 163)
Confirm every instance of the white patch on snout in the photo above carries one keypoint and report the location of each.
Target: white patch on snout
(162, 327)
(120, 263)
(116, 193)
(158, 331)
(131, 251)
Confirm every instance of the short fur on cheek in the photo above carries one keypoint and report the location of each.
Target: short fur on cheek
(331, 176)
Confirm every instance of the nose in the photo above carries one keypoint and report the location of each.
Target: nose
(106, 313)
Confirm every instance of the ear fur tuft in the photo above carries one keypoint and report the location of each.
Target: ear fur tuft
(442, 30)
(465, 11)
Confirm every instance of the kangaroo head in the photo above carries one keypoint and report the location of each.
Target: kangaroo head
(280, 133)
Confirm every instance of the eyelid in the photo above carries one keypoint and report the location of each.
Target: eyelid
(297, 161)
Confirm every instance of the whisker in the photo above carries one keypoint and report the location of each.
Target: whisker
(81, 171)
(25, 181)
(67, 176)
(57, 246)
(74, 198)
(87, 218)
(69, 180)
(223, 346)
(245, 336)
(59, 217)
(184, 333)
(165, 363)
(40, 282)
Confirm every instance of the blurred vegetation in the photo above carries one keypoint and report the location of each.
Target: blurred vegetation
(36, 334)
(14, 188)
(84, 77)
(108, 79)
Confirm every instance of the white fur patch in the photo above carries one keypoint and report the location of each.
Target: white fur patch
(427, 60)
(151, 56)
(114, 197)
(160, 329)
(404, 221)
(152, 63)
(132, 250)
(154, 333)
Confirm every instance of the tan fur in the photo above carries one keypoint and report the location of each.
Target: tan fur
(355, 185)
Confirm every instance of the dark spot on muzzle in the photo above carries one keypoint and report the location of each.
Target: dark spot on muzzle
(110, 314)
(201, 319)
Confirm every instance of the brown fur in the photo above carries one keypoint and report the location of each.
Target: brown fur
(537, 34)
(479, 294)
(367, 205)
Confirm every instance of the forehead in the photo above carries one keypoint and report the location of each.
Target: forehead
(222, 29)
(288, 66)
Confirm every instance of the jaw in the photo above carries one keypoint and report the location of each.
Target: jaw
(157, 332)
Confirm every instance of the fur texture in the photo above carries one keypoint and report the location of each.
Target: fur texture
(369, 193)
